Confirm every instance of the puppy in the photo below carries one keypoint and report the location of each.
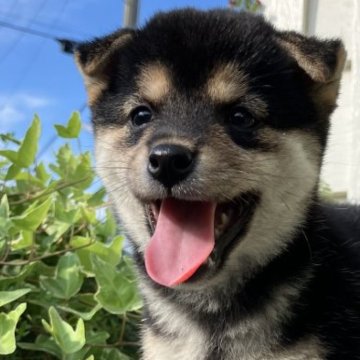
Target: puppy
(210, 130)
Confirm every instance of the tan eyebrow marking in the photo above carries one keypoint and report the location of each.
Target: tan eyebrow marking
(154, 82)
(226, 84)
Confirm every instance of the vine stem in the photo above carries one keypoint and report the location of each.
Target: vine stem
(46, 192)
(34, 259)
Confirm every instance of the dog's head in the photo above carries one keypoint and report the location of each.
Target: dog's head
(210, 129)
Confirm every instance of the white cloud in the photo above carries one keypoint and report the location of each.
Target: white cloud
(14, 109)
(32, 101)
(9, 115)
(88, 127)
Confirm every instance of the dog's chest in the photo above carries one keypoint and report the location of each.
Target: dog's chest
(197, 347)
(177, 337)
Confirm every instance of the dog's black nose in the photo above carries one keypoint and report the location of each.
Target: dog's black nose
(169, 163)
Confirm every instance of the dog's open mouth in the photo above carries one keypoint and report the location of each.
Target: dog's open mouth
(186, 234)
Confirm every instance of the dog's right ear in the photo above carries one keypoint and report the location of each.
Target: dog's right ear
(321, 60)
(96, 60)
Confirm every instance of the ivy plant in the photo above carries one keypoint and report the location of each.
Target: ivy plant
(67, 287)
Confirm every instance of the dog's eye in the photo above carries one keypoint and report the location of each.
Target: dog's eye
(141, 115)
(241, 119)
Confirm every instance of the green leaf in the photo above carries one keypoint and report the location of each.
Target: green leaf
(34, 270)
(74, 124)
(72, 129)
(8, 324)
(41, 173)
(7, 297)
(25, 240)
(28, 148)
(43, 343)
(4, 207)
(110, 253)
(97, 198)
(29, 178)
(33, 216)
(69, 216)
(108, 228)
(83, 172)
(48, 209)
(10, 155)
(111, 354)
(117, 291)
(57, 229)
(67, 280)
(89, 215)
(85, 315)
(9, 137)
(3, 163)
(78, 355)
(96, 337)
(5, 222)
(12, 172)
(65, 336)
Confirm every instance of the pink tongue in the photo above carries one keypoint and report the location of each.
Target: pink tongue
(183, 240)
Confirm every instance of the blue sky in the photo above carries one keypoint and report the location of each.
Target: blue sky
(35, 76)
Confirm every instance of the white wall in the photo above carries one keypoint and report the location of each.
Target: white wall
(332, 19)
(354, 186)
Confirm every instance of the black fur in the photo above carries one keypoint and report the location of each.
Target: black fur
(325, 248)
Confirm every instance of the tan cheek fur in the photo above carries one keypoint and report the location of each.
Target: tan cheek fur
(285, 180)
(113, 166)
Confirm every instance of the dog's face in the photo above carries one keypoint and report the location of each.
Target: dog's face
(210, 128)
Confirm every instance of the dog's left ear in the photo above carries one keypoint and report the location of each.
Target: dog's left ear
(322, 60)
(96, 60)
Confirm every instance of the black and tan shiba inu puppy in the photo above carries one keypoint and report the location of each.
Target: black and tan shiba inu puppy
(210, 130)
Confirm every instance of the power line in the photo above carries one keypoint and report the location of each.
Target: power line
(26, 30)
(43, 25)
(67, 45)
(41, 34)
(21, 35)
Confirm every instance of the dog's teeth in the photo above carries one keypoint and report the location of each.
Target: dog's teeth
(224, 219)
(155, 210)
(222, 222)
(217, 232)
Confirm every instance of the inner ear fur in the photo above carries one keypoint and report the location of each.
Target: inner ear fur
(96, 60)
(322, 60)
